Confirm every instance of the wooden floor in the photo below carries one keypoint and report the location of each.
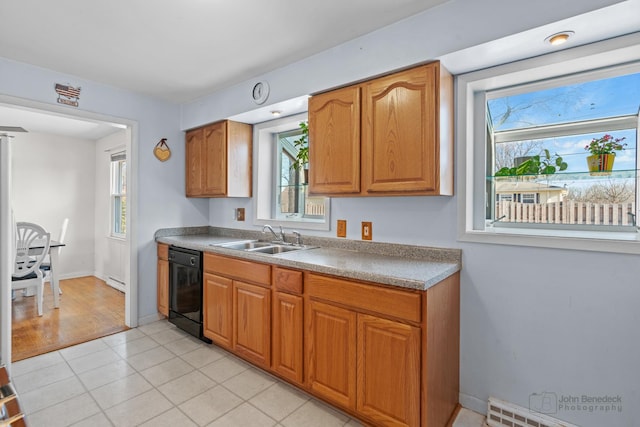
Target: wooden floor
(89, 309)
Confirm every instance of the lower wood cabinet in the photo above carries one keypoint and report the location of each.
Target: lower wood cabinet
(236, 313)
(364, 363)
(388, 361)
(217, 305)
(286, 331)
(386, 355)
(162, 290)
(251, 322)
(287, 324)
(331, 353)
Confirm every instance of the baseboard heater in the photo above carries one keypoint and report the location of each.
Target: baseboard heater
(116, 283)
(503, 414)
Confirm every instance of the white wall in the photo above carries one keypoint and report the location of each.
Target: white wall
(111, 254)
(53, 179)
(532, 319)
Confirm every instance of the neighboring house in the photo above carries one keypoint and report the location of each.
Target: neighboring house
(529, 192)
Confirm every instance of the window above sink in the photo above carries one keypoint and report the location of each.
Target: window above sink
(281, 194)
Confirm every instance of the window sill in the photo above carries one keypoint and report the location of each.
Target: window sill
(291, 224)
(616, 242)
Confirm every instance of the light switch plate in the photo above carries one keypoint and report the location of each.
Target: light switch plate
(367, 232)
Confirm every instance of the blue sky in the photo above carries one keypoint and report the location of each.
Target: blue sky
(596, 99)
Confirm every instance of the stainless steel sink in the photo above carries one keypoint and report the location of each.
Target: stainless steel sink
(276, 249)
(262, 247)
(246, 245)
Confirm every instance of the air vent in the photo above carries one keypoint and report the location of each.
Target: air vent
(505, 414)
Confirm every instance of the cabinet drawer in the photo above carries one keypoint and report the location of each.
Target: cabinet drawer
(289, 281)
(163, 251)
(248, 271)
(396, 303)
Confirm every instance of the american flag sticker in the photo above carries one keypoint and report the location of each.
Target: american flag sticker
(67, 94)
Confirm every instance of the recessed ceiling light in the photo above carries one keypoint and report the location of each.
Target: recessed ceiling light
(276, 113)
(559, 38)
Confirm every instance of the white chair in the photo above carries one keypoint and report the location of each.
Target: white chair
(32, 245)
(46, 264)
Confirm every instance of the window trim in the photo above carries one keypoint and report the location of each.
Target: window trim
(116, 157)
(263, 181)
(471, 96)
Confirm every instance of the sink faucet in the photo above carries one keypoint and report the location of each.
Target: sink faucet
(279, 238)
(298, 238)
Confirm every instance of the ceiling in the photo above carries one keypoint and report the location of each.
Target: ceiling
(183, 50)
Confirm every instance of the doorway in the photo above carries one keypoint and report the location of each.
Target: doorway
(35, 119)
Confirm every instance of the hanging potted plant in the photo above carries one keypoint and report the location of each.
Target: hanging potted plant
(302, 155)
(603, 154)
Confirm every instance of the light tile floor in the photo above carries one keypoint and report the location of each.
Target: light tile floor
(157, 375)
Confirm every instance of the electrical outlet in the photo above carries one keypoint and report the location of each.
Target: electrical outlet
(240, 214)
(367, 232)
(342, 228)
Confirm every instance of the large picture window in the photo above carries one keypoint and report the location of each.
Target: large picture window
(118, 195)
(539, 150)
(531, 136)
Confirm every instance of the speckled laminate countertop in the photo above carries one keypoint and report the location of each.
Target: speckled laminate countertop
(406, 266)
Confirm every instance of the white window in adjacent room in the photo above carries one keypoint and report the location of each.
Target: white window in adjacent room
(527, 128)
(118, 195)
(282, 195)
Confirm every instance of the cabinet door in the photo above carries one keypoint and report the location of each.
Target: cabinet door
(287, 336)
(163, 287)
(193, 142)
(334, 142)
(251, 322)
(331, 352)
(388, 371)
(215, 158)
(217, 308)
(399, 132)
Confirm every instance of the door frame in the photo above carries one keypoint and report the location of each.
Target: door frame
(131, 296)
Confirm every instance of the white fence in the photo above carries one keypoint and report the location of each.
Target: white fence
(567, 212)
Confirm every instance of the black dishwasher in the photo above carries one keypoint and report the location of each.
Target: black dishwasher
(185, 290)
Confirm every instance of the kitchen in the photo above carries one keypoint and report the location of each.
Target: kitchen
(501, 353)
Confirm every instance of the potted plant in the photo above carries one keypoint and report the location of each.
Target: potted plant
(603, 154)
(302, 155)
(541, 164)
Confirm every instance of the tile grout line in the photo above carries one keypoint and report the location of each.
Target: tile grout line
(223, 353)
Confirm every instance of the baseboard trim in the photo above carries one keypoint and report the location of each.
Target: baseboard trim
(152, 318)
(473, 403)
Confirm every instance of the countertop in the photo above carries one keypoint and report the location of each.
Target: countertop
(406, 266)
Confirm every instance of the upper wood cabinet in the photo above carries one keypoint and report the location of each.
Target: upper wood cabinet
(218, 160)
(392, 135)
(334, 128)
